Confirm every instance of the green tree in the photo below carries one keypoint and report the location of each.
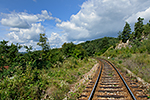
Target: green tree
(126, 32)
(67, 49)
(43, 43)
(105, 42)
(132, 36)
(3, 51)
(28, 49)
(138, 28)
(120, 35)
(146, 29)
(45, 47)
(13, 52)
(9, 53)
(79, 52)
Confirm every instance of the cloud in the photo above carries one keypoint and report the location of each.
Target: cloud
(57, 20)
(99, 18)
(23, 19)
(25, 35)
(144, 14)
(25, 27)
(44, 15)
(96, 19)
(14, 20)
(56, 40)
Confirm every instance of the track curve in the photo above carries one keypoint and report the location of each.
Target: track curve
(108, 83)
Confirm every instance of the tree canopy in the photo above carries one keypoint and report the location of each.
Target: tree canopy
(138, 28)
(126, 32)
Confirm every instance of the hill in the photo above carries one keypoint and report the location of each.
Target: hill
(98, 46)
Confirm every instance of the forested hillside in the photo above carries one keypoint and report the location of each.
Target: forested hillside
(99, 46)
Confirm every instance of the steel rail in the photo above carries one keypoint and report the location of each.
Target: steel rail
(132, 95)
(94, 88)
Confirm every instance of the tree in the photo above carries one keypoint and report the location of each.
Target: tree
(138, 28)
(120, 35)
(105, 42)
(146, 29)
(126, 32)
(43, 43)
(132, 36)
(8, 54)
(68, 48)
(13, 52)
(28, 49)
(79, 52)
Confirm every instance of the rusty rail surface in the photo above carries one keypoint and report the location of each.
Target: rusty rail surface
(108, 83)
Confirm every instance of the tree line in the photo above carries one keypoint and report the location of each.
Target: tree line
(140, 31)
(10, 56)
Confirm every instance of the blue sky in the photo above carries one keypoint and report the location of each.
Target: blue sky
(57, 7)
(21, 21)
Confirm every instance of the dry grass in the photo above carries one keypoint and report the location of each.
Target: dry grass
(139, 64)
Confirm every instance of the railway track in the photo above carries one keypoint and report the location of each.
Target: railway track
(109, 84)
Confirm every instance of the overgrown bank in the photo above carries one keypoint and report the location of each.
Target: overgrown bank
(136, 59)
(38, 83)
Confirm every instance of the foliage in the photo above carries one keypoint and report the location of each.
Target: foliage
(8, 54)
(126, 33)
(119, 35)
(43, 43)
(70, 49)
(79, 52)
(67, 49)
(99, 46)
(31, 83)
(138, 28)
(31, 74)
(146, 29)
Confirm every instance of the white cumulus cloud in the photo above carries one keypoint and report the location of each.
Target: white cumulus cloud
(14, 20)
(25, 27)
(144, 14)
(24, 20)
(56, 40)
(25, 35)
(98, 18)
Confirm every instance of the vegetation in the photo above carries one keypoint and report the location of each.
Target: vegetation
(125, 35)
(99, 46)
(30, 75)
(51, 72)
(138, 28)
(136, 56)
